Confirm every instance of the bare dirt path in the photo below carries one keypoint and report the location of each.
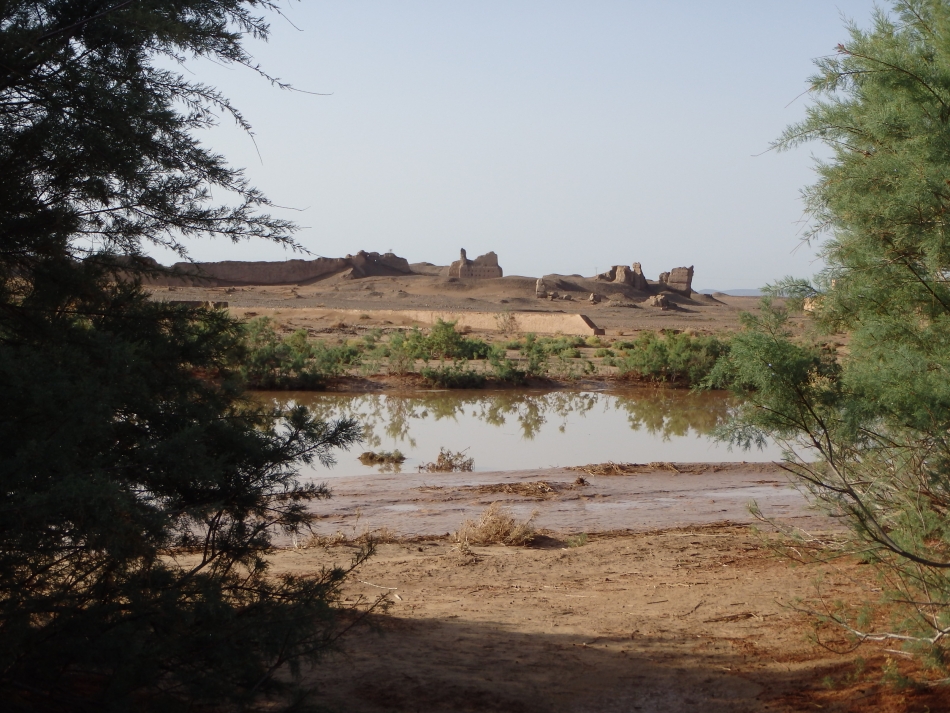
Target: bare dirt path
(681, 620)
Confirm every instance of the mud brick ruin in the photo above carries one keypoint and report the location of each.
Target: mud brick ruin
(484, 266)
(679, 280)
(286, 272)
(632, 276)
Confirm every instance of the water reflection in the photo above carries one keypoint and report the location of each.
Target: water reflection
(517, 429)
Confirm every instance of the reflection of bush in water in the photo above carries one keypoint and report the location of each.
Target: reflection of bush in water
(667, 414)
(663, 412)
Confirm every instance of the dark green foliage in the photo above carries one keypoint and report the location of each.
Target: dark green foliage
(123, 450)
(535, 353)
(679, 359)
(871, 427)
(294, 362)
(551, 346)
(140, 490)
(444, 342)
(505, 369)
(454, 376)
(534, 357)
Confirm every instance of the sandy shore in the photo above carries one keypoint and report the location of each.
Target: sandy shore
(658, 496)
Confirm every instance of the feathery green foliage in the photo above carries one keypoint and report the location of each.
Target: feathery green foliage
(294, 362)
(456, 375)
(871, 427)
(679, 359)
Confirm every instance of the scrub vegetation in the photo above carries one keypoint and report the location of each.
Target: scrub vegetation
(446, 358)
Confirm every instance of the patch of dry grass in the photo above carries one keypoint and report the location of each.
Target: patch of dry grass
(496, 526)
(539, 489)
(379, 536)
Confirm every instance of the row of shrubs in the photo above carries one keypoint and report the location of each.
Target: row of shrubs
(272, 361)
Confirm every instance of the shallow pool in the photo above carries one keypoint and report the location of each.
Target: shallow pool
(515, 430)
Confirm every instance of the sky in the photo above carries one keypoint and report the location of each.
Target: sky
(565, 136)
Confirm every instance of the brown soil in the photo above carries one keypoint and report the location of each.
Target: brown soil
(694, 619)
(286, 303)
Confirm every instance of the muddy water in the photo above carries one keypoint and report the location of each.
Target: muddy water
(516, 430)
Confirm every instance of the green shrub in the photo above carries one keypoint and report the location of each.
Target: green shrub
(444, 342)
(372, 339)
(454, 376)
(293, 362)
(505, 369)
(603, 353)
(535, 356)
(680, 359)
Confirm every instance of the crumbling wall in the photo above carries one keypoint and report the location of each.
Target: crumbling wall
(287, 272)
(484, 266)
(679, 280)
(638, 280)
(622, 274)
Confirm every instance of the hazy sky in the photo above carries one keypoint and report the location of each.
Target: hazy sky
(565, 136)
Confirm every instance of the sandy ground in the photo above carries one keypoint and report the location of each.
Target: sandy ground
(619, 316)
(696, 619)
(654, 496)
(656, 617)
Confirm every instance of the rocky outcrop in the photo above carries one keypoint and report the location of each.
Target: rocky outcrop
(287, 272)
(679, 280)
(540, 289)
(484, 266)
(659, 301)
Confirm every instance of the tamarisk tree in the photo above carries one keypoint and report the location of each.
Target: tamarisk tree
(139, 488)
(872, 425)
